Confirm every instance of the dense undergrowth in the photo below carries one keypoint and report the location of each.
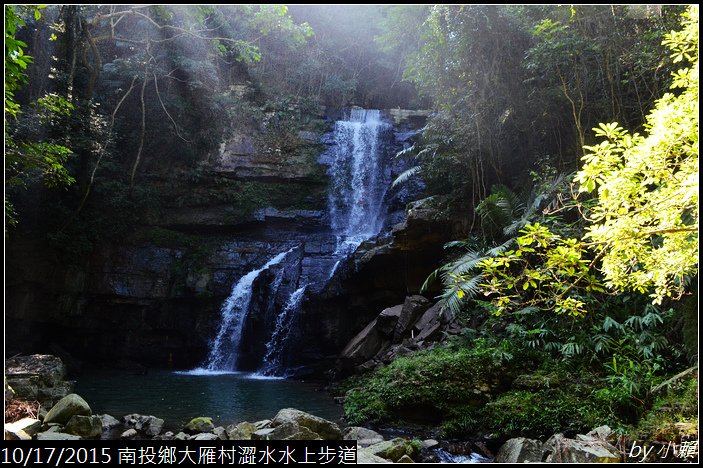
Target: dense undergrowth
(498, 390)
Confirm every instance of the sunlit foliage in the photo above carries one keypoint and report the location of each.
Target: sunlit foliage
(27, 154)
(645, 223)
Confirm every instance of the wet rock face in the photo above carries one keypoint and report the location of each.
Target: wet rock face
(137, 272)
(244, 157)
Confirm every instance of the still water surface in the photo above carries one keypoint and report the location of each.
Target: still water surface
(227, 398)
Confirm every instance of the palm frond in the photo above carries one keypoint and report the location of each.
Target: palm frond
(527, 216)
(552, 346)
(405, 152)
(499, 249)
(534, 204)
(453, 297)
(470, 243)
(514, 227)
(609, 323)
(494, 212)
(429, 281)
(500, 208)
(424, 151)
(463, 264)
(406, 175)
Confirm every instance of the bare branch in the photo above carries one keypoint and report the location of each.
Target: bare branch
(101, 153)
(175, 125)
(143, 128)
(198, 34)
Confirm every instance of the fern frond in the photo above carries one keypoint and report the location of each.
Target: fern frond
(470, 243)
(456, 243)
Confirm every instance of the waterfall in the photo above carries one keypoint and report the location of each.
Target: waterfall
(357, 187)
(284, 324)
(357, 213)
(225, 347)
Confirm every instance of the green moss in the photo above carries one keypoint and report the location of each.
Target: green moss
(541, 413)
(468, 392)
(245, 197)
(288, 196)
(429, 386)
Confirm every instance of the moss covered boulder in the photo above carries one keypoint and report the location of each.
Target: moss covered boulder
(198, 425)
(67, 407)
(394, 449)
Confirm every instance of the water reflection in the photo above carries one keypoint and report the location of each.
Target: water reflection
(227, 397)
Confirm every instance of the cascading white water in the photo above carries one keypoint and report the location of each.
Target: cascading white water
(224, 348)
(281, 333)
(357, 186)
(446, 457)
(356, 208)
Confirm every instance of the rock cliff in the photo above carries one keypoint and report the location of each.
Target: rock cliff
(153, 297)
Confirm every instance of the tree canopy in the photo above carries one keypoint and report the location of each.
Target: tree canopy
(645, 222)
(639, 233)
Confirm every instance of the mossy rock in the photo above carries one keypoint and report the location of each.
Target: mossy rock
(84, 426)
(198, 425)
(67, 407)
(327, 430)
(241, 431)
(393, 449)
(537, 381)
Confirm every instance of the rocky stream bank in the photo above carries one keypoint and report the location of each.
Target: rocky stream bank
(40, 406)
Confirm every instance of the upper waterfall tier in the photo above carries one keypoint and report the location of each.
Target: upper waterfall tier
(357, 186)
